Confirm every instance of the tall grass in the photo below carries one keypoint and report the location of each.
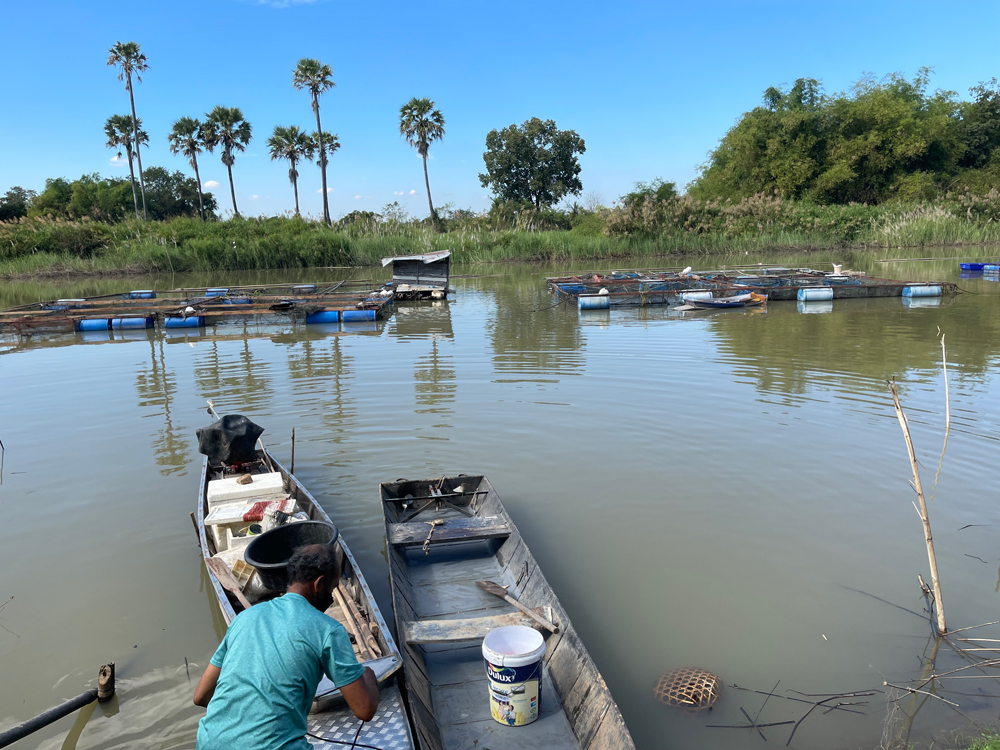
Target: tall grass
(682, 226)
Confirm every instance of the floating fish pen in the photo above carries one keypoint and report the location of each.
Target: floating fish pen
(416, 277)
(596, 291)
(191, 309)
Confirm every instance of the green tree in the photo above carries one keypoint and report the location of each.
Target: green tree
(14, 204)
(226, 127)
(316, 78)
(294, 145)
(54, 199)
(534, 163)
(173, 194)
(128, 58)
(980, 128)
(656, 190)
(121, 132)
(421, 125)
(187, 138)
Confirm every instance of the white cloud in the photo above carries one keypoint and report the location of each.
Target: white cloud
(117, 161)
(320, 191)
(254, 197)
(356, 197)
(210, 185)
(398, 192)
(413, 192)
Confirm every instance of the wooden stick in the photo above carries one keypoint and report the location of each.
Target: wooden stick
(363, 626)
(291, 469)
(352, 625)
(918, 488)
(225, 577)
(922, 692)
(497, 590)
(973, 627)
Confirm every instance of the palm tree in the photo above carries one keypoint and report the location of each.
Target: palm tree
(188, 139)
(129, 60)
(421, 124)
(331, 144)
(292, 144)
(225, 126)
(313, 76)
(121, 135)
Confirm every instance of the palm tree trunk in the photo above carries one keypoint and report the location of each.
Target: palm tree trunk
(430, 204)
(138, 157)
(295, 187)
(131, 175)
(197, 176)
(232, 190)
(322, 160)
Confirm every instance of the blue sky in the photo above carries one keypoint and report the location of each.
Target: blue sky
(651, 87)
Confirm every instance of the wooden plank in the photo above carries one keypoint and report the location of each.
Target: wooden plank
(460, 529)
(467, 629)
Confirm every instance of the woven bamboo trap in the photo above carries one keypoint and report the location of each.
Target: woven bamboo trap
(690, 687)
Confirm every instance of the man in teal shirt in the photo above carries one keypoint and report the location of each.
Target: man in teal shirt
(261, 682)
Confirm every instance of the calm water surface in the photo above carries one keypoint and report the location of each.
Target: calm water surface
(724, 490)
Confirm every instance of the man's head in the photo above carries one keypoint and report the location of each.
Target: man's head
(314, 573)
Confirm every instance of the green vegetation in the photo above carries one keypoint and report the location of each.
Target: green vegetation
(534, 164)
(421, 124)
(888, 139)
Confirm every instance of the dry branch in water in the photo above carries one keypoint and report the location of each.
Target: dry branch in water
(918, 488)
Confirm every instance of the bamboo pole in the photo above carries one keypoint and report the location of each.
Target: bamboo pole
(925, 520)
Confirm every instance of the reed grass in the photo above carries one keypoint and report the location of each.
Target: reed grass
(45, 246)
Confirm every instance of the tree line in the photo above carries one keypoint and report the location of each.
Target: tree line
(887, 139)
(534, 164)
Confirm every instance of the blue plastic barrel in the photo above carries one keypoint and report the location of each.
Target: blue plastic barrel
(324, 316)
(122, 324)
(926, 290)
(356, 315)
(142, 294)
(971, 266)
(823, 306)
(217, 292)
(304, 289)
(685, 296)
(910, 302)
(195, 321)
(594, 301)
(991, 267)
(93, 324)
(814, 294)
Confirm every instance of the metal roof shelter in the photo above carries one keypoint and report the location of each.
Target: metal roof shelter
(420, 276)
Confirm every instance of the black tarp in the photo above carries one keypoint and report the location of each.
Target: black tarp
(230, 440)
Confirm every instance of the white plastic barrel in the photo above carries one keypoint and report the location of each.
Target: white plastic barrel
(685, 296)
(925, 290)
(824, 306)
(815, 294)
(594, 301)
(513, 657)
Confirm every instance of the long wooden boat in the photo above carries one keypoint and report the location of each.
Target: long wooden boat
(750, 299)
(442, 616)
(331, 724)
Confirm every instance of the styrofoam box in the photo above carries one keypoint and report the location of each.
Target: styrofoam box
(227, 490)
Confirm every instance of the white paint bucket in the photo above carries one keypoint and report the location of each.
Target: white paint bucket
(513, 657)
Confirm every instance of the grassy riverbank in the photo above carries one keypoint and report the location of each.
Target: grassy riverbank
(40, 247)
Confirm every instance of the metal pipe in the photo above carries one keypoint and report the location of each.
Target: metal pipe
(44, 719)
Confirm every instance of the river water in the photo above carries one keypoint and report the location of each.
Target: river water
(727, 491)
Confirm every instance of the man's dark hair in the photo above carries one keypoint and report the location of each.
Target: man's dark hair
(309, 563)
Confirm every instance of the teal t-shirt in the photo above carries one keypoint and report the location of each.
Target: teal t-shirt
(272, 658)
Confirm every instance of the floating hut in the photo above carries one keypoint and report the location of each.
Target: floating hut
(420, 276)
(179, 309)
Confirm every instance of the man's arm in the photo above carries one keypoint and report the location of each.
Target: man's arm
(361, 695)
(206, 686)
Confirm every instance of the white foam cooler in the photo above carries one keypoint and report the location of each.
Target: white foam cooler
(228, 490)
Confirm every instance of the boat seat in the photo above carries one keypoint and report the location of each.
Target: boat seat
(453, 530)
(466, 629)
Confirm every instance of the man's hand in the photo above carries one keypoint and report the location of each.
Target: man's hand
(361, 695)
(206, 686)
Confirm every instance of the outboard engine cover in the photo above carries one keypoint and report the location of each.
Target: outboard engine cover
(231, 440)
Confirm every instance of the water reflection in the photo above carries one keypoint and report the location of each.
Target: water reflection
(157, 387)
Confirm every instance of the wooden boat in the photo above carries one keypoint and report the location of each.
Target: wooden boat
(442, 616)
(331, 724)
(751, 299)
